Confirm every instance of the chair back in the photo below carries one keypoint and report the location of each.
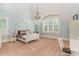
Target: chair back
(60, 43)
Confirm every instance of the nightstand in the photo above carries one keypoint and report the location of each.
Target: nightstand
(12, 39)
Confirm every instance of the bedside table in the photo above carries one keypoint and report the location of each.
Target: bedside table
(12, 38)
(12, 35)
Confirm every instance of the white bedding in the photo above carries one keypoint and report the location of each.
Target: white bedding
(30, 37)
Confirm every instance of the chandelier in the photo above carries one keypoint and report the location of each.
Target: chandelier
(37, 16)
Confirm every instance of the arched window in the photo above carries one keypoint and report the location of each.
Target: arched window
(51, 23)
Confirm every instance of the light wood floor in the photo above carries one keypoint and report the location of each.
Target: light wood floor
(42, 47)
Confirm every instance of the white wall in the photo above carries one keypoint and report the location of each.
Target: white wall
(26, 10)
(64, 10)
(14, 12)
(18, 8)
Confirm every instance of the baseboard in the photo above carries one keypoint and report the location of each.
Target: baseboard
(48, 36)
(54, 37)
(5, 40)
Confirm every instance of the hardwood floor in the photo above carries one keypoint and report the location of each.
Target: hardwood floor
(42, 47)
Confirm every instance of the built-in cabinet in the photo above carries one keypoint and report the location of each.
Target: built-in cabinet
(74, 36)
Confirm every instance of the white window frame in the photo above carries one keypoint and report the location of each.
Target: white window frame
(52, 25)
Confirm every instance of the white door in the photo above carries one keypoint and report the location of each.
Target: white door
(3, 27)
(74, 36)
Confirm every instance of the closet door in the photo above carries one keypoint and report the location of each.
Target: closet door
(3, 27)
(74, 36)
(3, 24)
(74, 29)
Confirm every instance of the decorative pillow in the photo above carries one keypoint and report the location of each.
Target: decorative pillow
(29, 32)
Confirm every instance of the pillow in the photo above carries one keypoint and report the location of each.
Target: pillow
(29, 32)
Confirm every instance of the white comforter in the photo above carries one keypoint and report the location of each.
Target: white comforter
(32, 36)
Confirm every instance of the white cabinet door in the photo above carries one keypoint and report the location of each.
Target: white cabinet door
(74, 45)
(74, 29)
(74, 34)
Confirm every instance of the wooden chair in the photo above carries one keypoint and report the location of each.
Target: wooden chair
(63, 51)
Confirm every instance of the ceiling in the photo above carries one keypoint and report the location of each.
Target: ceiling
(64, 10)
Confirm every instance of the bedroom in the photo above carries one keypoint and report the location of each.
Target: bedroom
(45, 21)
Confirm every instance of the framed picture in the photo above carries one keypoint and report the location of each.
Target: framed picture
(75, 17)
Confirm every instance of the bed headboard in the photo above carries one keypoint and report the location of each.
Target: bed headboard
(22, 32)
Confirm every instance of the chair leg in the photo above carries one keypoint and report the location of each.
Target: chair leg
(0, 44)
(10, 41)
(61, 54)
(26, 43)
(15, 39)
